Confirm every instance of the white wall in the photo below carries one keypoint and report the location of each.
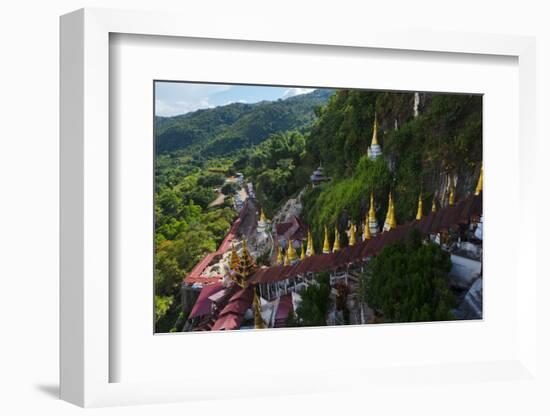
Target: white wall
(29, 208)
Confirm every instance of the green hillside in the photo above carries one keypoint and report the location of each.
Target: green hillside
(226, 129)
(419, 154)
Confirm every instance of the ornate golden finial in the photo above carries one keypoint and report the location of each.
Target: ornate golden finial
(262, 215)
(279, 255)
(374, 140)
(303, 253)
(291, 251)
(372, 214)
(286, 260)
(434, 206)
(352, 238)
(336, 246)
(479, 186)
(419, 212)
(258, 320)
(235, 259)
(247, 264)
(326, 243)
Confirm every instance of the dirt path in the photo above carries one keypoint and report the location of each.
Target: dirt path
(218, 201)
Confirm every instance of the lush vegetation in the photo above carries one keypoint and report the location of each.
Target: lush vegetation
(444, 139)
(185, 228)
(407, 282)
(195, 156)
(315, 304)
(277, 145)
(223, 130)
(277, 167)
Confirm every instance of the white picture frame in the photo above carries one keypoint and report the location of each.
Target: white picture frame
(86, 356)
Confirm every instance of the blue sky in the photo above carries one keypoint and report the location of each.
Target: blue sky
(173, 98)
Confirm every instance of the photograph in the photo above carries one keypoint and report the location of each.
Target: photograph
(297, 206)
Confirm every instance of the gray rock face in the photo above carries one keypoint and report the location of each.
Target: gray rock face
(291, 208)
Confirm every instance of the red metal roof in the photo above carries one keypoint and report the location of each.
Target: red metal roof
(228, 322)
(195, 275)
(283, 227)
(446, 218)
(203, 304)
(285, 307)
(239, 302)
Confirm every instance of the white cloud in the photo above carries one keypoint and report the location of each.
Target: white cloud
(180, 98)
(291, 92)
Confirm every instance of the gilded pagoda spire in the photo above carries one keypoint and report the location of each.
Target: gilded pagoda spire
(374, 150)
(336, 246)
(387, 220)
(374, 141)
(258, 320)
(247, 265)
(479, 186)
(366, 229)
(262, 215)
(326, 243)
(291, 252)
(373, 224)
(303, 253)
(310, 251)
(286, 261)
(434, 206)
(393, 222)
(419, 211)
(390, 215)
(279, 255)
(452, 196)
(372, 214)
(352, 237)
(235, 259)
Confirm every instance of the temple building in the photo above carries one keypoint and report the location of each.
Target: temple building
(318, 177)
(294, 231)
(374, 150)
(256, 297)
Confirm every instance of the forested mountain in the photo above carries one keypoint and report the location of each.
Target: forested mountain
(427, 140)
(426, 145)
(222, 130)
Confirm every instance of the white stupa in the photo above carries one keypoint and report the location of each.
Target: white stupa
(374, 150)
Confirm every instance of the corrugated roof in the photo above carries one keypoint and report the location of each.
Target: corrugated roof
(203, 304)
(195, 275)
(446, 218)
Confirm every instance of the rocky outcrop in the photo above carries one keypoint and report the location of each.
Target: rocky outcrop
(291, 208)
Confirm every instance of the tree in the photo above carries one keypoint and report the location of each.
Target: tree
(229, 188)
(407, 282)
(315, 303)
(211, 179)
